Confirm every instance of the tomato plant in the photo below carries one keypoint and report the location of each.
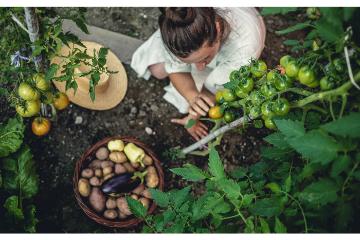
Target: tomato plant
(40, 126)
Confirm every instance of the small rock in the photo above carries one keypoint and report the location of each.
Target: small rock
(142, 113)
(78, 120)
(154, 108)
(133, 110)
(148, 130)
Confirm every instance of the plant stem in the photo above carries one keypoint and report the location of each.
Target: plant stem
(301, 209)
(242, 216)
(348, 177)
(332, 110)
(343, 104)
(321, 95)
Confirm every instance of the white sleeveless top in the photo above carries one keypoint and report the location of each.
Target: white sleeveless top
(245, 41)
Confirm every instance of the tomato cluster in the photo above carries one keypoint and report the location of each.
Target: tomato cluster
(255, 90)
(34, 92)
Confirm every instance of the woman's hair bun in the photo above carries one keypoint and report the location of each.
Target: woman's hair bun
(180, 16)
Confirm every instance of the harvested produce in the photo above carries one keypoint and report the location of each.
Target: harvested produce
(123, 183)
(97, 199)
(102, 153)
(139, 189)
(87, 173)
(123, 206)
(84, 187)
(146, 193)
(118, 157)
(106, 164)
(119, 168)
(111, 203)
(116, 145)
(128, 167)
(145, 202)
(110, 214)
(152, 179)
(147, 160)
(98, 173)
(134, 153)
(94, 181)
(107, 170)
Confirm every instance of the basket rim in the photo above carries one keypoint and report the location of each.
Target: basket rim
(85, 157)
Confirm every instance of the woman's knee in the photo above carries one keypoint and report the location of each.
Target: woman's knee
(158, 70)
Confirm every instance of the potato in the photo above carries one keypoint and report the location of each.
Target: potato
(121, 215)
(134, 196)
(102, 153)
(97, 199)
(106, 164)
(118, 157)
(107, 171)
(146, 193)
(147, 160)
(95, 163)
(94, 181)
(128, 167)
(110, 214)
(119, 168)
(139, 189)
(152, 179)
(123, 206)
(109, 176)
(84, 187)
(98, 173)
(87, 173)
(135, 164)
(111, 203)
(145, 202)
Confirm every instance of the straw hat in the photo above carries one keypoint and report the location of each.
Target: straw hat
(111, 88)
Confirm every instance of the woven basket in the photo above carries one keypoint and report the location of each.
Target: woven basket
(87, 157)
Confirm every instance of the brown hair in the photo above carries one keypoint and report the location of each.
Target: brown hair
(185, 29)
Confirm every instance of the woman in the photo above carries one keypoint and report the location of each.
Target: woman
(197, 48)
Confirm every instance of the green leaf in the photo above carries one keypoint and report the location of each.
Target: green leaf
(81, 24)
(30, 219)
(190, 123)
(103, 52)
(309, 170)
(160, 198)
(216, 168)
(320, 193)
(288, 184)
(223, 207)
(264, 226)
(20, 174)
(340, 165)
(12, 205)
(178, 197)
(347, 126)
(229, 187)
(275, 153)
(291, 42)
(294, 28)
(238, 173)
(37, 50)
(328, 31)
(277, 139)
(279, 226)
(290, 128)
(277, 10)
(198, 209)
(267, 207)
(51, 71)
(136, 207)
(348, 12)
(11, 136)
(190, 172)
(316, 146)
(274, 187)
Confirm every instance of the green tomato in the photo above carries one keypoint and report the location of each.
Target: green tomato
(229, 116)
(234, 75)
(246, 84)
(268, 90)
(40, 82)
(256, 97)
(267, 109)
(313, 13)
(314, 84)
(272, 76)
(28, 93)
(228, 95)
(281, 106)
(31, 108)
(292, 69)
(269, 123)
(306, 75)
(258, 68)
(255, 112)
(244, 71)
(240, 92)
(284, 60)
(326, 83)
(283, 82)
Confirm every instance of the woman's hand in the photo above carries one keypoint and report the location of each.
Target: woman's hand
(198, 131)
(200, 105)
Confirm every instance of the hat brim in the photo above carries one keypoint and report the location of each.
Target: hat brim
(105, 100)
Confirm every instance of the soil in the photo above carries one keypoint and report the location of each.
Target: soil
(76, 128)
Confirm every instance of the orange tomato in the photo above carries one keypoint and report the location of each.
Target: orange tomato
(215, 112)
(61, 101)
(40, 126)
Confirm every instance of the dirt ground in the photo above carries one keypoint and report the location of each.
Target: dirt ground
(77, 128)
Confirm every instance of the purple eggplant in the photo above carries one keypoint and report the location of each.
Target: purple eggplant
(122, 183)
